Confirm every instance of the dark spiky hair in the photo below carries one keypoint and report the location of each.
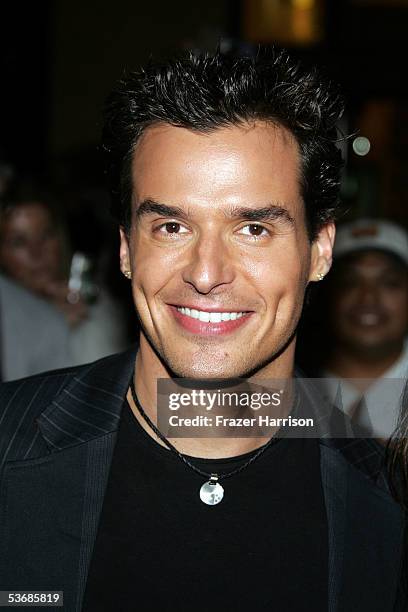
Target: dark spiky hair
(207, 92)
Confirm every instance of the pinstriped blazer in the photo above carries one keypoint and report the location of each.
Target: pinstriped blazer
(57, 434)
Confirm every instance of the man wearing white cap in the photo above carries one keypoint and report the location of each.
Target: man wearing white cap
(369, 321)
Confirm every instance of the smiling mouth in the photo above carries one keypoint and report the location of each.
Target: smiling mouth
(367, 319)
(205, 322)
(210, 317)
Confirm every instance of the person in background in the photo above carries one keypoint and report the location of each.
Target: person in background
(368, 323)
(34, 336)
(35, 253)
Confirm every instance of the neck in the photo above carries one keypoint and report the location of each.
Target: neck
(149, 368)
(348, 363)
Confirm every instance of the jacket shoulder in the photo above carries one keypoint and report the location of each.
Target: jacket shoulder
(47, 385)
(23, 401)
(16, 394)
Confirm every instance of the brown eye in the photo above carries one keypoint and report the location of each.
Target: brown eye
(255, 230)
(172, 228)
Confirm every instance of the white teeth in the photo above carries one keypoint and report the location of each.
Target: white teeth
(369, 319)
(210, 317)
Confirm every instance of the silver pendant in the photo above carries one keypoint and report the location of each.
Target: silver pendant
(211, 492)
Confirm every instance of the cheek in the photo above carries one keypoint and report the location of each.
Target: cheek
(341, 302)
(397, 305)
(16, 261)
(153, 268)
(54, 250)
(281, 283)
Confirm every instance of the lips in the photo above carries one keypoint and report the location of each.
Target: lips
(209, 322)
(367, 318)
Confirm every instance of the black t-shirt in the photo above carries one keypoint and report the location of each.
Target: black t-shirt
(159, 547)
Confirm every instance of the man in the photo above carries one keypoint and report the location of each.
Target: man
(34, 336)
(369, 322)
(225, 180)
(34, 248)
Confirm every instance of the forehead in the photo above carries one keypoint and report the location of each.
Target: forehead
(25, 214)
(372, 261)
(250, 163)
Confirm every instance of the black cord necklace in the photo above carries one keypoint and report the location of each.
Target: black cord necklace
(211, 492)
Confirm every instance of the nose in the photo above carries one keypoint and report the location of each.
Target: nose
(368, 294)
(210, 265)
(38, 250)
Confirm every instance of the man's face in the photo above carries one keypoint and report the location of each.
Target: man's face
(218, 247)
(370, 303)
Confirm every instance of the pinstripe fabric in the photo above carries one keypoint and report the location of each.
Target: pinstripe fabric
(336, 431)
(98, 462)
(73, 415)
(57, 414)
(90, 405)
(62, 408)
(20, 404)
(336, 509)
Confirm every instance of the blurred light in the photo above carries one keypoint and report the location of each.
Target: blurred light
(361, 145)
(303, 4)
(285, 22)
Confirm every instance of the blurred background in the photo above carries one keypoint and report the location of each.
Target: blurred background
(59, 59)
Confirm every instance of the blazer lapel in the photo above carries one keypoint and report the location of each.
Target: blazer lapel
(365, 529)
(334, 482)
(50, 512)
(365, 524)
(90, 405)
(51, 505)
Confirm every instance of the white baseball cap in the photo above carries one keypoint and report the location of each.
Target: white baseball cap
(377, 234)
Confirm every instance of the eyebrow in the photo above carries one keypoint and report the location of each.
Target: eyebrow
(271, 212)
(148, 207)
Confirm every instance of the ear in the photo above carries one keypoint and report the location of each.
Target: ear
(124, 252)
(322, 252)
